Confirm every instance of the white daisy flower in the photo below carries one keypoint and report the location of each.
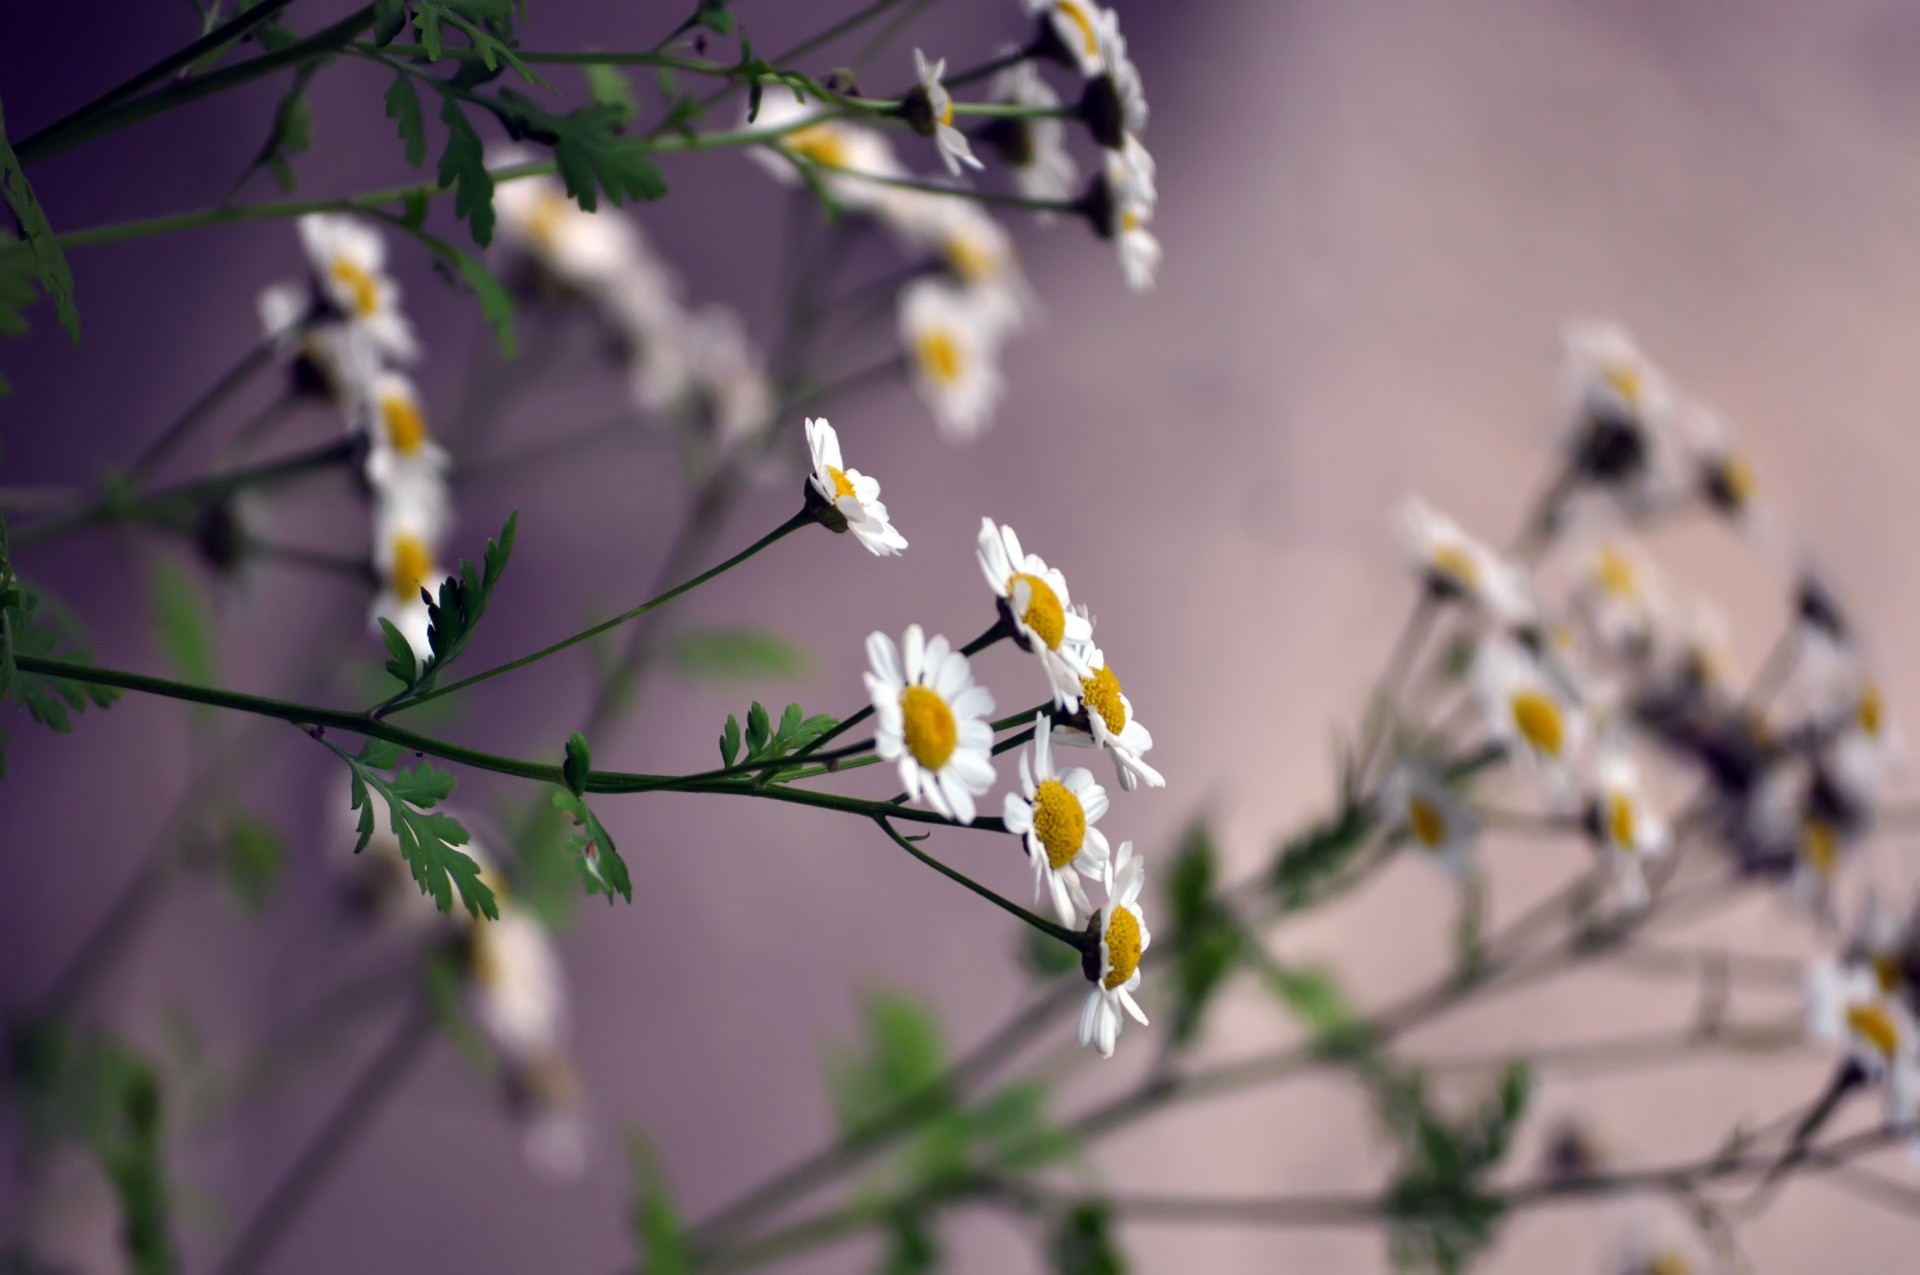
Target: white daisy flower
(1115, 104)
(1527, 709)
(1619, 600)
(1847, 1009)
(1417, 804)
(953, 354)
(1123, 940)
(1034, 602)
(976, 250)
(408, 526)
(932, 720)
(329, 359)
(1622, 823)
(726, 375)
(1110, 723)
(1033, 148)
(402, 450)
(546, 1098)
(1455, 565)
(1055, 811)
(1611, 378)
(930, 109)
(349, 265)
(580, 251)
(1122, 208)
(838, 150)
(1070, 32)
(518, 994)
(1725, 476)
(853, 497)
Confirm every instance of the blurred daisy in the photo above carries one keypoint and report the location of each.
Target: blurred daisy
(545, 1095)
(932, 720)
(1617, 599)
(1033, 147)
(582, 252)
(929, 108)
(1526, 709)
(838, 150)
(408, 525)
(1725, 477)
(1123, 940)
(1070, 32)
(349, 266)
(1455, 565)
(328, 359)
(402, 450)
(1620, 427)
(518, 993)
(1822, 848)
(1416, 804)
(1054, 812)
(1624, 825)
(1034, 604)
(952, 354)
(1121, 207)
(1114, 105)
(853, 498)
(726, 375)
(977, 252)
(1110, 723)
(1874, 1032)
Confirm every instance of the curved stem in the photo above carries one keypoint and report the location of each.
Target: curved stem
(1072, 938)
(791, 525)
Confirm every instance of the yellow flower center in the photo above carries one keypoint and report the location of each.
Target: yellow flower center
(1537, 717)
(971, 259)
(1887, 971)
(1868, 710)
(1620, 821)
(928, 725)
(946, 116)
(1873, 1024)
(359, 284)
(1044, 614)
(842, 485)
(1613, 572)
(1059, 821)
(406, 428)
(1123, 947)
(1456, 564)
(412, 564)
(546, 217)
(1820, 847)
(1736, 476)
(1623, 379)
(822, 145)
(1101, 694)
(1668, 1263)
(482, 960)
(939, 356)
(1076, 12)
(1425, 820)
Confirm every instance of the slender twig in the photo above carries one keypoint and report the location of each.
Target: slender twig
(199, 411)
(1071, 938)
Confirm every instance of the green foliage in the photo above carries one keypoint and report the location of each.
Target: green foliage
(738, 655)
(463, 167)
(657, 1229)
(610, 87)
(593, 156)
(183, 618)
(19, 288)
(1311, 862)
(904, 1059)
(578, 764)
(453, 616)
(427, 839)
(766, 742)
(50, 264)
(1204, 941)
(715, 16)
(1444, 1214)
(602, 870)
(32, 623)
(1046, 957)
(291, 133)
(912, 1248)
(1082, 1242)
(403, 108)
(252, 860)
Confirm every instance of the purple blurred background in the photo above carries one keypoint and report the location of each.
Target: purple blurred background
(1376, 217)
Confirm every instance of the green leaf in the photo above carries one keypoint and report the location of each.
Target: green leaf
(1312, 861)
(737, 655)
(657, 1229)
(428, 839)
(1046, 957)
(463, 167)
(49, 262)
(759, 731)
(1205, 937)
(37, 625)
(184, 621)
(389, 20)
(452, 616)
(904, 1058)
(1083, 1244)
(911, 1246)
(610, 87)
(578, 762)
(593, 157)
(400, 658)
(730, 741)
(715, 17)
(1316, 999)
(253, 860)
(291, 133)
(496, 303)
(602, 870)
(403, 108)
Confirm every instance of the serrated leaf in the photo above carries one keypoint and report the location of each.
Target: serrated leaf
(389, 20)
(463, 167)
(715, 17)
(39, 626)
(579, 761)
(403, 108)
(593, 157)
(730, 741)
(429, 840)
(453, 614)
(50, 264)
(737, 655)
(400, 658)
(602, 870)
(759, 731)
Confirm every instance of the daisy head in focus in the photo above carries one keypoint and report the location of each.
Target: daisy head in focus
(1106, 721)
(409, 524)
(1034, 604)
(839, 151)
(401, 449)
(1529, 710)
(348, 259)
(1113, 964)
(1121, 207)
(1453, 565)
(1032, 147)
(1623, 825)
(1070, 32)
(846, 499)
(932, 721)
(1436, 820)
(929, 110)
(1875, 1034)
(1054, 813)
(951, 340)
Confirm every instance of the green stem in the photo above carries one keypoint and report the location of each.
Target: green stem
(48, 139)
(791, 525)
(1072, 938)
(990, 198)
(200, 410)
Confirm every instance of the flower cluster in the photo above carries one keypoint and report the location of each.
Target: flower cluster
(967, 293)
(933, 725)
